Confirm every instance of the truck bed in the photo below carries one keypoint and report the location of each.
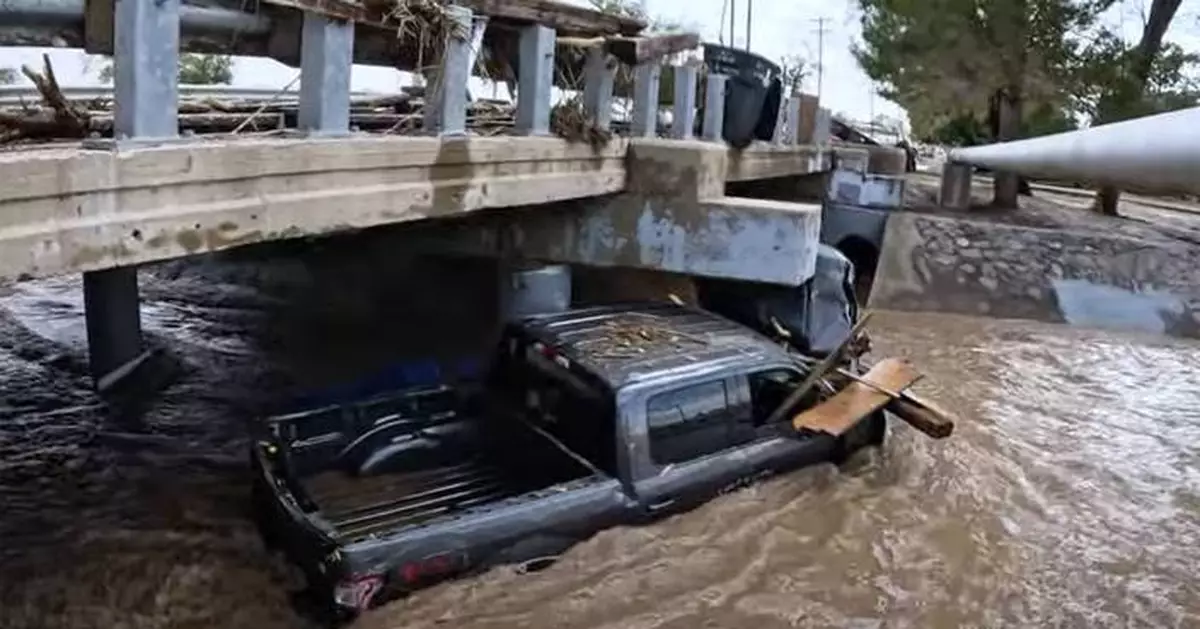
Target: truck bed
(360, 507)
(395, 464)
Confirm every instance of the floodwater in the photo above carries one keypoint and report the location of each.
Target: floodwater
(1068, 496)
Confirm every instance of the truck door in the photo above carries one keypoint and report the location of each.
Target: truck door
(685, 455)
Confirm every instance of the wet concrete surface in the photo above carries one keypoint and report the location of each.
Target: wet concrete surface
(1068, 496)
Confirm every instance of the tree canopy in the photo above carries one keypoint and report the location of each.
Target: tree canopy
(972, 71)
(944, 59)
(194, 69)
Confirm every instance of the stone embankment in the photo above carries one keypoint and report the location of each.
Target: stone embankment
(1047, 262)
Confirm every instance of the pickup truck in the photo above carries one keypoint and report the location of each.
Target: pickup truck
(586, 419)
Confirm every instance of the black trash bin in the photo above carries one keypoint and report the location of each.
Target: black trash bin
(754, 82)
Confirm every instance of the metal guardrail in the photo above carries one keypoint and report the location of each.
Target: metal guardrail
(15, 95)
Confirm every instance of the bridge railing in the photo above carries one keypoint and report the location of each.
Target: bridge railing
(146, 40)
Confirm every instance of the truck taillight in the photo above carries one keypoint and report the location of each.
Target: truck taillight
(431, 568)
(356, 592)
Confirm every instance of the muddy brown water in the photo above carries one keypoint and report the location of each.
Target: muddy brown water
(1069, 495)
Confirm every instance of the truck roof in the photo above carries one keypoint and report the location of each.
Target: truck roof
(628, 342)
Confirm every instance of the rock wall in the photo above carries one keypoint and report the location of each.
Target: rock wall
(980, 267)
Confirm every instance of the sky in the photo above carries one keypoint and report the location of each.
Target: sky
(778, 28)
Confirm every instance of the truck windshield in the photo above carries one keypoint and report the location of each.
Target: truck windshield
(561, 401)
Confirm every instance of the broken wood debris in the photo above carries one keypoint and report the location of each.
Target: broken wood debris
(630, 339)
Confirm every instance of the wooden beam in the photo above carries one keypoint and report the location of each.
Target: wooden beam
(637, 50)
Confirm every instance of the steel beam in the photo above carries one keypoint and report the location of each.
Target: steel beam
(325, 65)
(146, 69)
(646, 79)
(599, 77)
(446, 100)
(714, 107)
(683, 127)
(1157, 153)
(536, 69)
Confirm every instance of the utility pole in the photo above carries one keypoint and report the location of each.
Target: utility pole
(732, 22)
(820, 53)
(749, 16)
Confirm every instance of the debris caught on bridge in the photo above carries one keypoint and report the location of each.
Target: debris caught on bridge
(55, 118)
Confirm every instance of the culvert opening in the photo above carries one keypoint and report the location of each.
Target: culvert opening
(865, 257)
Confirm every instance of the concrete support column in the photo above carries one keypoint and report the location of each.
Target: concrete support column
(599, 77)
(683, 127)
(114, 324)
(446, 95)
(645, 100)
(536, 80)
(326, 58)
(535, 289)
(146, 90)
(714, 107)
(956, 186)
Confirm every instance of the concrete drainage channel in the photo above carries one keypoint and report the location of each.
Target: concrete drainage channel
(1086, 278)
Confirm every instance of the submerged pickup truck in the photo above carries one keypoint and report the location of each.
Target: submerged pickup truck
(587, 419)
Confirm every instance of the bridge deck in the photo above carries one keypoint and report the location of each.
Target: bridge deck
(73, 209)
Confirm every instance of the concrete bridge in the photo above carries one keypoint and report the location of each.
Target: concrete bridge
(684, 204)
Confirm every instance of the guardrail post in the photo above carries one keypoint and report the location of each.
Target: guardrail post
(536, 69)
(446, 99)
(599, 77)
(714, 107)
(146, 69)
(645, 100)
(793, 120)
(956, 186)
(822, 127)
(684, 125)
(326, 59)
(146, 108)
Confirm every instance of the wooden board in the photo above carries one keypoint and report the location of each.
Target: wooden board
(855, 402)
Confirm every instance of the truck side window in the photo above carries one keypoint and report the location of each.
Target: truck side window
(688, 423)
(768, 389)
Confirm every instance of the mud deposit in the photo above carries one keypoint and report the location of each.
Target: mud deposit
(1069, 496)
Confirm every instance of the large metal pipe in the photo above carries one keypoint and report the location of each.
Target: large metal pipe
(1159, 153)
(69, 14)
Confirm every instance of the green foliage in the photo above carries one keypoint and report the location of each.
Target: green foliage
(193, 70)
(205, 69)
(944, 60)
(1106, 88)
(8, 76)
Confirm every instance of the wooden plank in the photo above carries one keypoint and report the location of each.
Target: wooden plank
(563, 17)
(637, 50)
(858, 400)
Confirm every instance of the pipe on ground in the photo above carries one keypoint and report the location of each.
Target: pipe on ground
(1159, 153)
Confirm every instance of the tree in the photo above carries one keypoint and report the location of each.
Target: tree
(8, 76)
(794, 71)
(1139, 80)
(992, 59)
(194, 69)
